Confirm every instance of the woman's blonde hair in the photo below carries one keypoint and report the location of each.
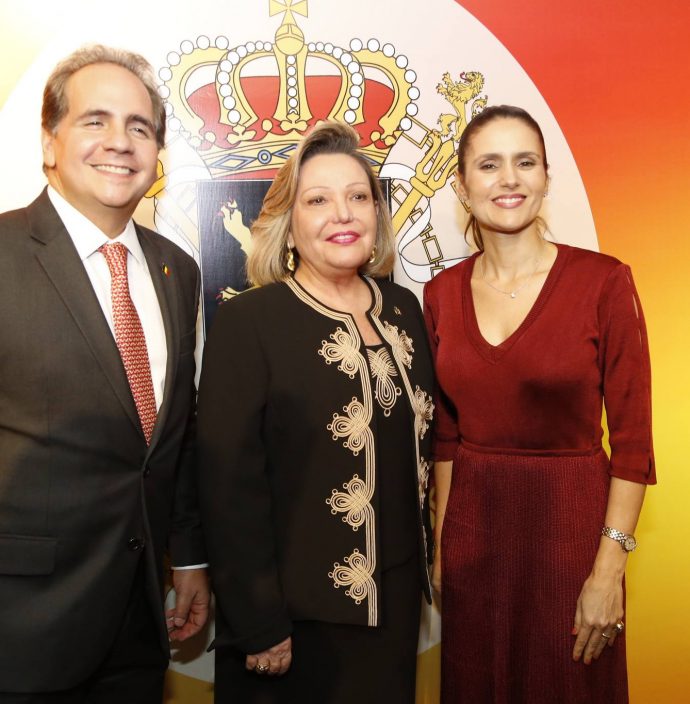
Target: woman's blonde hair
(267, 262)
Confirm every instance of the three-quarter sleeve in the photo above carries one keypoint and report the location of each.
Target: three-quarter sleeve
(235, 495)
(446, 437)
(625, 370)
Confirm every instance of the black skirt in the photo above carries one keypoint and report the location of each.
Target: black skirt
(336, 663)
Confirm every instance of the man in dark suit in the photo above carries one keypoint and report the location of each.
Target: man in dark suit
(96, 405)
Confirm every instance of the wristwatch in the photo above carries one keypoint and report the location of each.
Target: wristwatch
(627, 541)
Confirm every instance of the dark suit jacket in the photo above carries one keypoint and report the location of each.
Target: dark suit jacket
(80, 491)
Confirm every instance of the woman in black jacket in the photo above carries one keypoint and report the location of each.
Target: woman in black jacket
(314, 414)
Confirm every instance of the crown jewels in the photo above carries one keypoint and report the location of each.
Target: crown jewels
(244, 108)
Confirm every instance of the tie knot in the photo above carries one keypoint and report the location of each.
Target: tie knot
(116, 257)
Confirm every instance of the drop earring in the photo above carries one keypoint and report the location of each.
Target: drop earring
(290, 263)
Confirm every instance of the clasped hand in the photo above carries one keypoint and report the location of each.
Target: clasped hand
(273, 661)
(190, 612)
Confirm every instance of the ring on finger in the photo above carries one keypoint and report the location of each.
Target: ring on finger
(261, 669)
(605, 635)
(620, 627)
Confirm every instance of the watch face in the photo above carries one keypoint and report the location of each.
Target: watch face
(630, 543)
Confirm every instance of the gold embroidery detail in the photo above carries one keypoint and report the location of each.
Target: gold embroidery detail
(423, 411)
(383, 370)
(343, 349)
(420, 402)
(354, 426)
(353, 502)
(422, 479)
(400, 342)
(355, 574)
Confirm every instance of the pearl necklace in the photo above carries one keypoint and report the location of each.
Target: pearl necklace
(514, 292)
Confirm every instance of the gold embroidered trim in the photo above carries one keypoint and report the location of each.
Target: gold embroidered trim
(354, 426)
(354, 502)
(343, 349)
(400, 343)
(420, 401)
(423, 411)
(422, 479)
(383, 370)
(356, 574)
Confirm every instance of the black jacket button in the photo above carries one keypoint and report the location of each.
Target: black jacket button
(135, 544)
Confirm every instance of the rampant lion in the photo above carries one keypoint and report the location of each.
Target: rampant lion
(459, 94)
(235, 227)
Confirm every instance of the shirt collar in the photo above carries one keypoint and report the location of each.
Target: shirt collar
(87, 238)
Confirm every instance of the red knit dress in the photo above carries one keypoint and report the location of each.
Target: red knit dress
(522, 423)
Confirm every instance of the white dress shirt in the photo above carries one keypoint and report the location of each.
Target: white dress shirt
(87, 239)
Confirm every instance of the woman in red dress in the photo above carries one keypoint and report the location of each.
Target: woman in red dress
(533, 520)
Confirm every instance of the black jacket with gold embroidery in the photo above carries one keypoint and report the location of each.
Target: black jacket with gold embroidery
(287, 461)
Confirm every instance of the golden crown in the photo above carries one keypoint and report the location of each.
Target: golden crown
(244, 108)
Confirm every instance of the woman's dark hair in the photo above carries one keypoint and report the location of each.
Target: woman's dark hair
(495, 112)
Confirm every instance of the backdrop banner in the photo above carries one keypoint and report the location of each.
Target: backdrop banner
(243, 81)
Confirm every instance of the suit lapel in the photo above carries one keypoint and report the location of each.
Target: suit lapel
(166, 291)
(58, 257)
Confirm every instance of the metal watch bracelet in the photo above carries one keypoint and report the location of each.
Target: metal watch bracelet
(626, 540)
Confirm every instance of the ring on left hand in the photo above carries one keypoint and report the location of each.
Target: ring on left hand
(261, 669)
(605, 635)
(620, 627)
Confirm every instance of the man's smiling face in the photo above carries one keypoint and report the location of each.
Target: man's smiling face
(103, 154)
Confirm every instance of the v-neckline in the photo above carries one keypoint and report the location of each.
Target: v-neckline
(493, 353)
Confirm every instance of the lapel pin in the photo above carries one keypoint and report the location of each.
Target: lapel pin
(396, 310)
(165, 269)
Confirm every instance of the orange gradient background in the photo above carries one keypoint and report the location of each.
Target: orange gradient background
(616, 75)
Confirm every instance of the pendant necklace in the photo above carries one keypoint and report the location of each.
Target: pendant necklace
(514, 292)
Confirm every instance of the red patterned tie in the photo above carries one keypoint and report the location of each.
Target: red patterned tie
(129, 336)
